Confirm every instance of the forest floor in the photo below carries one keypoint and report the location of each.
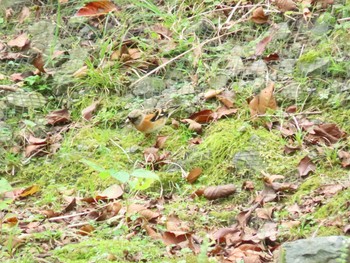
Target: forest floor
(255, 154)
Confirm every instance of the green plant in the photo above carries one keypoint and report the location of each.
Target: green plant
(36, 83)
(139, 179)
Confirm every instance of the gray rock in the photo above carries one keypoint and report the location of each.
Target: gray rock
(316, 67)
(26, 99)
(282, 32)
(258, 68)
(235, 66)
(218, 82)
(332, 249)
(149, 87)
(247, 161)
(286, 66)
(42, 36)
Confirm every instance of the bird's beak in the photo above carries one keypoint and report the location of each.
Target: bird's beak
(127, 121)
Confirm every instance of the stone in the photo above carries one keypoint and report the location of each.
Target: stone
(218, 82)
(283, 32)
(258, 68)
(149, 87)
(26, 99)
(331, 249)
(316, 67)
(234, 66)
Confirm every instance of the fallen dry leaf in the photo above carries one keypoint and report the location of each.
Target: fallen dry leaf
(345, 158)
(29, 191)
(86, 230)
(25, 13)
(223, 112)
(211, 94)
(265, 213)
(271, 57)
(58, 117)
(87, 112)
(160, 141)
(96, 8)
(193, 125)
(39, 63)
(112, 192)
(285, 5)
(20, 41)
(174, 224)
(215, 192)
(291, 149)
(265, 100)
(261, 46)
(193, 175)
(259, 16)
(248, 185)
(203, 116)
(80, 72)
(306, 166)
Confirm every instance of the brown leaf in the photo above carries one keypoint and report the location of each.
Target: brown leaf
(151, 155)
(203, 116)
(160, 141)
(87, 112)
(193, 125)
(215, 192)
(11, 221)
(259, 16)
(29, 191)
(25, 13)
(97, 8)
(285, 5)
(151, 232)
(291, 109)
(175, 123)
(58, 117)
(306, 166)
(8, 13)
(261, 46)
(70, 207)
(223, 112)
(265, 100)
(291, 149)
(194, 174)
(39, 63)
(265, 213)
(174, 224)
(226, 101)
(330, 131)
(49, 213)
(171, 238)
(20, 41)
(112, 192)
(142, 211)
(34, 149)
(211, 94)
(271, 57)
(82, 72)
(195, 141)
(345, 158)
(248, 185)
(86, 230)
(162, 31)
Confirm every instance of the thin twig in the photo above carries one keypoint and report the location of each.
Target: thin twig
(8, 88)
(68, 216)
(292, 114)
(121, 148)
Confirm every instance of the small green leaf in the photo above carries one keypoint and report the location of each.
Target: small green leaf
(104, 174)
(141, 173)
(140, 183)
(4, 185)
(121, 176)
(93, 165)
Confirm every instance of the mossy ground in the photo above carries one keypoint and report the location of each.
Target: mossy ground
(234, 149)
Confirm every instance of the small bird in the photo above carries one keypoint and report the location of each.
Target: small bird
(148, 121)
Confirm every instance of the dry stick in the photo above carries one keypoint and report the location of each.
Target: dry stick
(8, 88)
(68, 216)
(292, 114)
(193, 48)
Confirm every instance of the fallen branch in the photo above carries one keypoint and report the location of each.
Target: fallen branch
(8, 88)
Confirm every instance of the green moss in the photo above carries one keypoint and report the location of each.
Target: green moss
(311, 184)
(335, 206)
